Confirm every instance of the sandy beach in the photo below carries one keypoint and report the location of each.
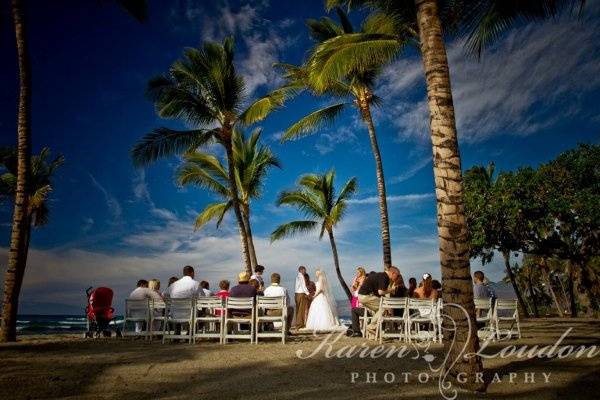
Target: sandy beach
(66, 366)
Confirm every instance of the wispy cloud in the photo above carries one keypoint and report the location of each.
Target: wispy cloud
(403, 198)
(412, 171)
(141, 193)
(112, 204)
(515, 89)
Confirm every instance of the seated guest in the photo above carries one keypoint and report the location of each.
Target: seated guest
(223, 293)
(376, 284)
(258, 272)
(436, 285)
(480, 290)
(426, 291)
(154, 285)
(186, 287)
(412, 285)
(256, 284)
(399, 292)
(243, 288)
(205, 288)
(172, 280)
(140, 291)
(275, 290)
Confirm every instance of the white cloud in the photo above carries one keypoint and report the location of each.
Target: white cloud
(514, 89)
(328, 140)
(403, 198)
(112, 204)
(412, 171)
(141, 193)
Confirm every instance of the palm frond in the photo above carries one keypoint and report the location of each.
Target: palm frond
(305, 202)
(313, 121)
(323, 29)
(262, 107)
(212, 211)
(164, 142)
(191, 173)
(347, 191)
(293, 228)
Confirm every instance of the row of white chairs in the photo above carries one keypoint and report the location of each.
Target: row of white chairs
(207, 317)
(411, 319)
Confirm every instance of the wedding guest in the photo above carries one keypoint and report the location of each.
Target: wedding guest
(412, 285)
(399, 288)
(186, 287)
(480, 290)
(436, 285)
(358, 280)
(154, 285)
(224, 286)
(256, 284)
(204, 285)
(375, 285)
(140, 291)
(275, 290)
(301, 292)
(258, 272)
(172, 280)
(243, 288)
(426, 291)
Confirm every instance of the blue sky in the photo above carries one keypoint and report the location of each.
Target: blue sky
(533, 95)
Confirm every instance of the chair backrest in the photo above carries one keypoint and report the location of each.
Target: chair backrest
(503, 304)
(180, 308)
(240, 303)
(270, 302)
(136, 308)
(483, 304)
(394, 302)
(424, 306)
(209, 302)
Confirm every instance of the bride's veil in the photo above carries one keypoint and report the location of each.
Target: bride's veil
(329, 295)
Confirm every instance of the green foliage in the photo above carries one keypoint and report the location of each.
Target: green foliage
(316, 198)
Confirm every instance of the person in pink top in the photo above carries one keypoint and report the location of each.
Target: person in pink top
(223, 293)
(356, 282)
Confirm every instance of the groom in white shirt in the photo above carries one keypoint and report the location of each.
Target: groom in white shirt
(301, 298)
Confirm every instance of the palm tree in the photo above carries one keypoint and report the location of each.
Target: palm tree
(17, 255)
(37, 212)
(252, 163)
(204, 90)
(357, 85)
(316, 198)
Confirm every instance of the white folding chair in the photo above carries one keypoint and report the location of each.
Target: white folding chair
(264, 305)
(179, 314)
(238, 311)
(439, 320)
(209, 318)
(421, 312)
(157, 318)
(364, 320)
(484, 314)
(388, 305)
(507, 311)
(138, 313)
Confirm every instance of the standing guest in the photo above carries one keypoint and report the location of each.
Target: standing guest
(480, 291)
(301, 292)
(426, 290)
(275, 290)
(243, 288)
(222, 294)
(412, 286)
(358, 280)
(375, 285)
(258, 272)
(186, 287)
(256, 284)
(205, 288)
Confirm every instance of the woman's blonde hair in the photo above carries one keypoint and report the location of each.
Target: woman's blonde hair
(361, 271)
(154, 284)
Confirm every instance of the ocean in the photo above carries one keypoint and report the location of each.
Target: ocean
(28, 324)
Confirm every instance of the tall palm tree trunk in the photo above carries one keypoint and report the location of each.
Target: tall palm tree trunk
(365, 111)
(336, 262)
(251, 250)
(546, 276)
(452, 227)
(513, 281)
(236, 204)
(17, 255)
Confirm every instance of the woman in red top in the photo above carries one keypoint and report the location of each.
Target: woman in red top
(223, 293)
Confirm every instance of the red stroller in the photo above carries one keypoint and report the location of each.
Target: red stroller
(100, 313)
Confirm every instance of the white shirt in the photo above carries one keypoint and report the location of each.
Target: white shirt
(259, 278)
(143, 293)
(184, 288)
(277, 291)
(207, 292)
(301, 284)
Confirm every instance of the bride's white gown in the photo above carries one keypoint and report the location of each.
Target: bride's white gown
(320, 315)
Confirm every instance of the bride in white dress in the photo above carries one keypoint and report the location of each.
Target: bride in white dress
(322, 314)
